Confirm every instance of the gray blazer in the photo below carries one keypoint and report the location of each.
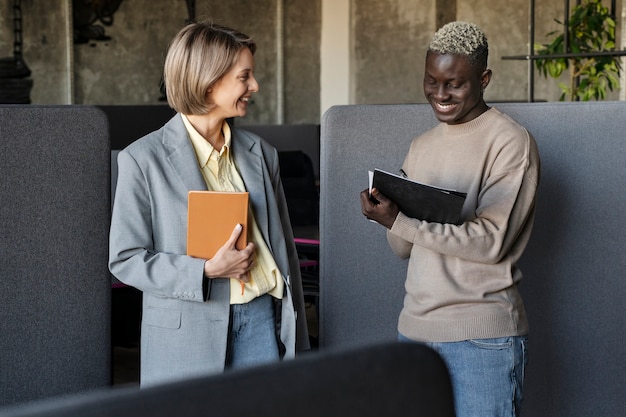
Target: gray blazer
(185, 316)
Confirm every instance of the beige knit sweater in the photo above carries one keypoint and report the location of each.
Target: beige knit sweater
(462, 280)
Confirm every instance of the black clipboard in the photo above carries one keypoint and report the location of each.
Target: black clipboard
(420, 201)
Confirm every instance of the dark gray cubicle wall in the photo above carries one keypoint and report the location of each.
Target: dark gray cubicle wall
(575, 267)
(319, 384)
(54, 223)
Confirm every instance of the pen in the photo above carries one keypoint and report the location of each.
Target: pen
(403, 173)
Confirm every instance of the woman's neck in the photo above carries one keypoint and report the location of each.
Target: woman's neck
(210, 128)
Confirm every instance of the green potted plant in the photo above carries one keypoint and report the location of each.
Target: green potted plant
(591, 29)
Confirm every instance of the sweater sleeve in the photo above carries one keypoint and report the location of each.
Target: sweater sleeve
(398, 245)
(502, 208)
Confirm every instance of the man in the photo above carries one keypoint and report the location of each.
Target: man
(461, 287)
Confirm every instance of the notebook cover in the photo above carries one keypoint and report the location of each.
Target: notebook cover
(211, 218)
(420, 201)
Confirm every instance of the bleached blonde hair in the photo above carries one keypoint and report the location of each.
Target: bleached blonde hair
(462, 38)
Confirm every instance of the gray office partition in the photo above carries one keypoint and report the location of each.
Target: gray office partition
(574, 267)
(55, 287)
(400, 379)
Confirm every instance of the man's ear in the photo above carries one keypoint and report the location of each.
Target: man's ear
(485, 78)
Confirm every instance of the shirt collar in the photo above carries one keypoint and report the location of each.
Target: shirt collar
(202, 147)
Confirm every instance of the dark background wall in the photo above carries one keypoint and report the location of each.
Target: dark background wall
(386, 45)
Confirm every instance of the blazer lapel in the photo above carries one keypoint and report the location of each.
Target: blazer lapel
(249, 161)
(182, 156)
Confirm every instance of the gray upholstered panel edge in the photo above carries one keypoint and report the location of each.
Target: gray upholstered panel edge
(575, 268)
(54, 222)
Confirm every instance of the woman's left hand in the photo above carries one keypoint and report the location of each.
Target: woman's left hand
(229, 261)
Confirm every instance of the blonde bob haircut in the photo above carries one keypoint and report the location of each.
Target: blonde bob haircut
(198, 56)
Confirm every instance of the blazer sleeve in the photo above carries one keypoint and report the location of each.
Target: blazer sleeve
(134, 258)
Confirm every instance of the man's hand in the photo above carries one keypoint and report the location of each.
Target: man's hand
(384, 211)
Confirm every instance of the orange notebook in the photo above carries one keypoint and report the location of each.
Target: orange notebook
(211, 218)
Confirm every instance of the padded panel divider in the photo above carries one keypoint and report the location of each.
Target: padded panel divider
(396, 379)
(574, 266)
(54, 222)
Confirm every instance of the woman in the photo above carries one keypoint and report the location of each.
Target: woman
(196, 317)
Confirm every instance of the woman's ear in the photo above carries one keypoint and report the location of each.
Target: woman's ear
(207, 95)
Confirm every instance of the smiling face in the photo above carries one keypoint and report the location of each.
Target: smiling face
(453, 87)
(230, 95)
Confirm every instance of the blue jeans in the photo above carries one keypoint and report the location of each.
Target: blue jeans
(252, 338)
(487, 374)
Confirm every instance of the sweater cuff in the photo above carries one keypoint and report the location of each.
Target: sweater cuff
(405, 227)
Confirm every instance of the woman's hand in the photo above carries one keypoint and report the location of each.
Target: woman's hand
(229, 262)
(383, 210)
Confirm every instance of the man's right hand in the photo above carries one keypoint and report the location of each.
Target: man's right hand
(383, 210)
